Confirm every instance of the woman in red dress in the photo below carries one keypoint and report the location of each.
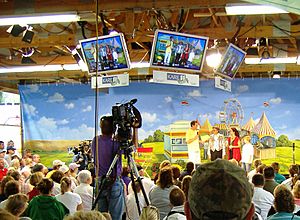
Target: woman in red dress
(234, 145)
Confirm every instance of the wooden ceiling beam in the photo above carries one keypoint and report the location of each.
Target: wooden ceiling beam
(9, 87)
(53, 40)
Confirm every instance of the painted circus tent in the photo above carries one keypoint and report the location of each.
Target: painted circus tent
(55, 117)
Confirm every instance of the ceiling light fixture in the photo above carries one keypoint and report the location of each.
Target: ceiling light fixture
(38, 19)
(271, 60)
(246, 9)
(213, 60)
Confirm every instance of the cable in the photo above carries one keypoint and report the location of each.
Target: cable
(185, 20)
(292, 32)
(53, 32)
(249, 29)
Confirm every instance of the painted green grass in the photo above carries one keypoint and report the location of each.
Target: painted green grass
(284, 156)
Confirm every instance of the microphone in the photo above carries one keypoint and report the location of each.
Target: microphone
(133, 101)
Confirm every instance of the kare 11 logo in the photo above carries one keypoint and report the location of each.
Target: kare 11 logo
(180, 78)
(112, 80)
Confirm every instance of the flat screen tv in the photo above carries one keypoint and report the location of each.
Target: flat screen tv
(112, 54)
(172, 50)
(231, 62)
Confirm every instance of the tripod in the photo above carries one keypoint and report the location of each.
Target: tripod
(106, 182)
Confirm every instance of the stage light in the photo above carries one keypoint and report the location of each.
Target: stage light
(213, 60)
(276, 75)
(16, 30)
(38, 19)
(246, 9)
(28, 36)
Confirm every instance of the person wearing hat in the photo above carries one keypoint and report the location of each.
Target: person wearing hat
(216, 145)
(10, 150)
(73, 173)
(56, 165)
(220, 190)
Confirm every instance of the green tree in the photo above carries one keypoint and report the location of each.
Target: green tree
(283, 141)
(149, 139)
(158, 136)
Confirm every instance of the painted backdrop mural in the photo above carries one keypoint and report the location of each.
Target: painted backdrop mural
(65, 113)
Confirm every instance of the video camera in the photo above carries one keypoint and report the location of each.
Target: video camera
(125, 117)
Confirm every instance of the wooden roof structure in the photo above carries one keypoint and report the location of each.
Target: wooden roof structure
(138, 20)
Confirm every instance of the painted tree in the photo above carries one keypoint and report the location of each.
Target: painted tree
(283, 141)
(158, 136)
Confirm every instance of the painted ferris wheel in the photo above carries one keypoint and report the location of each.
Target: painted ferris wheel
(232, 112)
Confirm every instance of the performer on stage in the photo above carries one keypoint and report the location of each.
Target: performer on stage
(234, 145)
(216, 145)
(192, 140)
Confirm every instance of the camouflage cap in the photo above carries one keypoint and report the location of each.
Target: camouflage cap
(220, 187)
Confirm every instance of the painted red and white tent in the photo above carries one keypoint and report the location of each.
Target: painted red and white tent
(264, 128)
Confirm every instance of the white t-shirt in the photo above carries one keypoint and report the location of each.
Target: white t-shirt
(247, 153)
(70, 200)
(56, 188)
(86, 193)
(264, 200)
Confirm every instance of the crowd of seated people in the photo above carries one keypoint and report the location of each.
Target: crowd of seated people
(215, 190)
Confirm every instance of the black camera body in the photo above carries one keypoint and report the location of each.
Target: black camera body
(125, 117)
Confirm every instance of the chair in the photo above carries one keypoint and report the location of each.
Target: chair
(144, 157)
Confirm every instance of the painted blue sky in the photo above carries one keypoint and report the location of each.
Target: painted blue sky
(54, 112)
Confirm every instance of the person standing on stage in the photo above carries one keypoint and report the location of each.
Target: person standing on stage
(234, 145)
(111, 198)
(216, 145)
(192, 140)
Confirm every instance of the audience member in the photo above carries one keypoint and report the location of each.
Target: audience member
(5, 215)
(5, 180)
(293, 171)
(284, 204)
(149, 213)
(177, 199)
(71, 200)
(46, 205)
(296, 193)
(2, 155)
(11, 188)
(34, 180)
(188, 170)
(247, 154)
(163, 164)
(262, 199)
(56, 165)
(125, 177)
(17, 204)
(84, 190)
(36, 159)
(251, 173)
(159, 194)
(278, 177)
(185, 185)
(270, 183)
(56, 177)
(88, 215)
(73, 173)
(3, 170)
(176, 175)
(220, 190)
(147, 182)
(132, 212)
(10, 150)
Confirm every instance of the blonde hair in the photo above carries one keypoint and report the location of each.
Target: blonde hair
(149, 213)
(88, 215)
(234, 161)
(5, 215)
(36, 178)
(296, 189)
(247, 138)
(65, 184)
(16, 204)
(164, 164)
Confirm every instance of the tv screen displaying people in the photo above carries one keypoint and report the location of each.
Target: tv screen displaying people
(174, 50)
(112, 54)
(231, 61)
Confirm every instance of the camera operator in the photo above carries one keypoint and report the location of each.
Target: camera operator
(80, 157)
(111, 197)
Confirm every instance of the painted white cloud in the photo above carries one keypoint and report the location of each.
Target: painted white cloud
(87, 109)
(45, 94)
(69, 105)
(168, 99)
(63, 122)
(276, 100)
(242, 88)
(194, 93)
(47, 123)
(292, 133)
(287, 112)
(256, 120)
(282, 127)
(57, 97)
(203, 117)
(33, 88)
(148, 117)
(30, 109)
(170, 116)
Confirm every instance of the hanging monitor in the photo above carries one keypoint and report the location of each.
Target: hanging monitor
(172, 50)
(231, 62)
(112, 54)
